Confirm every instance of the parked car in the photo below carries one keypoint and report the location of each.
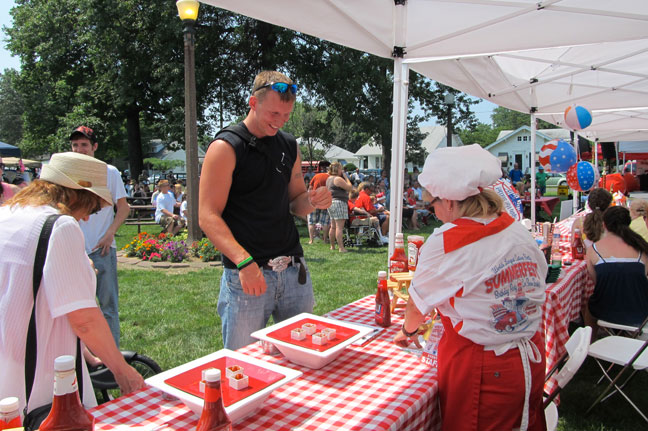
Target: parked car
(554, 180)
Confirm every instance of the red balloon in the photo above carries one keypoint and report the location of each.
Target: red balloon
(614, 183)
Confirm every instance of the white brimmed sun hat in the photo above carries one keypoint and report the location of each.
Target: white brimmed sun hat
(78, 171)
(456, 173)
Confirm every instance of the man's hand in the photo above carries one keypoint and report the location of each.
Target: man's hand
(104, 243)
(320, 198)
(252, 280)
(402, 340)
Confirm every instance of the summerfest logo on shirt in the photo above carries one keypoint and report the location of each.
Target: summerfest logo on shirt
(511, 279)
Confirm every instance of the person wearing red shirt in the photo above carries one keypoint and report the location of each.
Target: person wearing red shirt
(318, 216)
(364, 202)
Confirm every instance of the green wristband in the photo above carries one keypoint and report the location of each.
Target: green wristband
(245, 262)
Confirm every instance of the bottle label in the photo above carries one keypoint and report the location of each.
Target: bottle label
(65, 382)
(397, 266)
(412, 254)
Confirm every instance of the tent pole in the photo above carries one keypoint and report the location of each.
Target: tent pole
(575, 194)
(399, 123)
(533, 168)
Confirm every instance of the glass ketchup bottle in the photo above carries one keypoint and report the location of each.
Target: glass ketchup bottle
(67, 414)
(383, 303)
(398, 260)
(213, 417)
(9, 413)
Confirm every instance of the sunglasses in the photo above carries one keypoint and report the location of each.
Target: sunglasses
(435, 200)
(279, 87)
(96, 209)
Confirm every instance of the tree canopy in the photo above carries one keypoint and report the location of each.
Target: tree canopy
(118, 66)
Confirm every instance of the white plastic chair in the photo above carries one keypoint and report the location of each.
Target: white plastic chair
(630, 353)
(625, 330)
(577, 349)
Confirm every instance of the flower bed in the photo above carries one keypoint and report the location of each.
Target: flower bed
(159, 248)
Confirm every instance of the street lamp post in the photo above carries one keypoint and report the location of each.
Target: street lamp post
(449, 101)
(188, 12)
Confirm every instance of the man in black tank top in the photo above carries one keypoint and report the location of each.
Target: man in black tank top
(250, 187)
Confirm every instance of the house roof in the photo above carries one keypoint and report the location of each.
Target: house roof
(504, 134)
(437, 136)
(369, 150)
(333, 151)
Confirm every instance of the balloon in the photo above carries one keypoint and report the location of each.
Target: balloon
(577, 117)
(582, 176)
(562, 157)
(614, 183)
(545, 153)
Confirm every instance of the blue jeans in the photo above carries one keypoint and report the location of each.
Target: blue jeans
(241, 314)
(107, 288)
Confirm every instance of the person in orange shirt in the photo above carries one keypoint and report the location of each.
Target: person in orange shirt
(320, 216)
(364, 202)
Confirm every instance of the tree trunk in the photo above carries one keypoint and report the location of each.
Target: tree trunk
(134, 142)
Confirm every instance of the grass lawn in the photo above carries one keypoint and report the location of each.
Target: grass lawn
(172, 318)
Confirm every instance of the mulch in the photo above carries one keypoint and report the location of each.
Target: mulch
(191, 264)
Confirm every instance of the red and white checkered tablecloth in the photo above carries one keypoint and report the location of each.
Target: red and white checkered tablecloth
(565, 299)
(374, 387)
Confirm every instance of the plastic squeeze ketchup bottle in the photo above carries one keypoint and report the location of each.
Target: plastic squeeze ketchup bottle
(67, 414)
(383, 303)
(578, 247)
(9, 413)
(213, 417)
(398, 260)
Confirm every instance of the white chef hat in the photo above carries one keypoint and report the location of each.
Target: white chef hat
(456, 173)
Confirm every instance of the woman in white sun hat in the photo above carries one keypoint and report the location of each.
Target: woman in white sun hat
(73, 185)
(485, 274)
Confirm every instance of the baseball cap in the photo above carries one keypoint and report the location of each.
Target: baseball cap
(85, 131)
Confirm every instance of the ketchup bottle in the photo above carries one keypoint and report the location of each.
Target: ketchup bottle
(67, 414)
(578, 247)
(383, 303)
(398, 260)
(213, 417)
(9, 413)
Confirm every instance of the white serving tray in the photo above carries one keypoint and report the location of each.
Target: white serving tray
(237, 411)
(308, 357)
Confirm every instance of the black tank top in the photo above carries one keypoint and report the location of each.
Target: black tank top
(258, 206)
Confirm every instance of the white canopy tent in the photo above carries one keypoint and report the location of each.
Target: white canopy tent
(424, 29)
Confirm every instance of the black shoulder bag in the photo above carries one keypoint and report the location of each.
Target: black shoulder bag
(34, 418)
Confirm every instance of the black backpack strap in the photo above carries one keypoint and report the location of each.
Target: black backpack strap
(31, 350)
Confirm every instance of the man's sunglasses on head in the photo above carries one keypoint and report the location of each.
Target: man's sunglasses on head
(279, 87)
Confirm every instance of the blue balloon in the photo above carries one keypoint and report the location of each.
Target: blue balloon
(562, 157)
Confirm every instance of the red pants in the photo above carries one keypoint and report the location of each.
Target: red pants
(481, 391)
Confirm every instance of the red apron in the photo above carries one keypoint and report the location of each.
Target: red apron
(481, 391)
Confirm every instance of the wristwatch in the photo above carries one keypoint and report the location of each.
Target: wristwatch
(408, 334)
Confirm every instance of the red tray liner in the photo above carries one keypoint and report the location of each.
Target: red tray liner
(259, 379)
(341, 334)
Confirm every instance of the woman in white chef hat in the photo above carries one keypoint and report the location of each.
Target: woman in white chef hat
(485, 274)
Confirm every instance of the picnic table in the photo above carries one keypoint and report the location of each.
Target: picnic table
(141, 215)
(377, 386)
(546, 203)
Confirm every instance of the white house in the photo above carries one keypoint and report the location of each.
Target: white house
(438, 138)
(370, 156)
(514, 146)
(333, 153)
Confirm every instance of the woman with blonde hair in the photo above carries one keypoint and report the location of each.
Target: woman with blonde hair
(339, 184)
(485, 275)
(74, 186)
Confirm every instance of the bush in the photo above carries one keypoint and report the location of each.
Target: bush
(349, 167)
(204, 250)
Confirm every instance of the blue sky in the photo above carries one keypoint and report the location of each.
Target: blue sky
(483, 110)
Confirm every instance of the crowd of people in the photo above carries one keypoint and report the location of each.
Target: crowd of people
(364, 197)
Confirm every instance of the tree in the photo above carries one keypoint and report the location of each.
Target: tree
(506, 119)
(11, 107)
(482, 134)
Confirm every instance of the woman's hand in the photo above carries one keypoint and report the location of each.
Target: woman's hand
(129, 380)
(402, 340)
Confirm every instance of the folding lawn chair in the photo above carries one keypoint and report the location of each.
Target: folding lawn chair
(628, 352)
(571, 361)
